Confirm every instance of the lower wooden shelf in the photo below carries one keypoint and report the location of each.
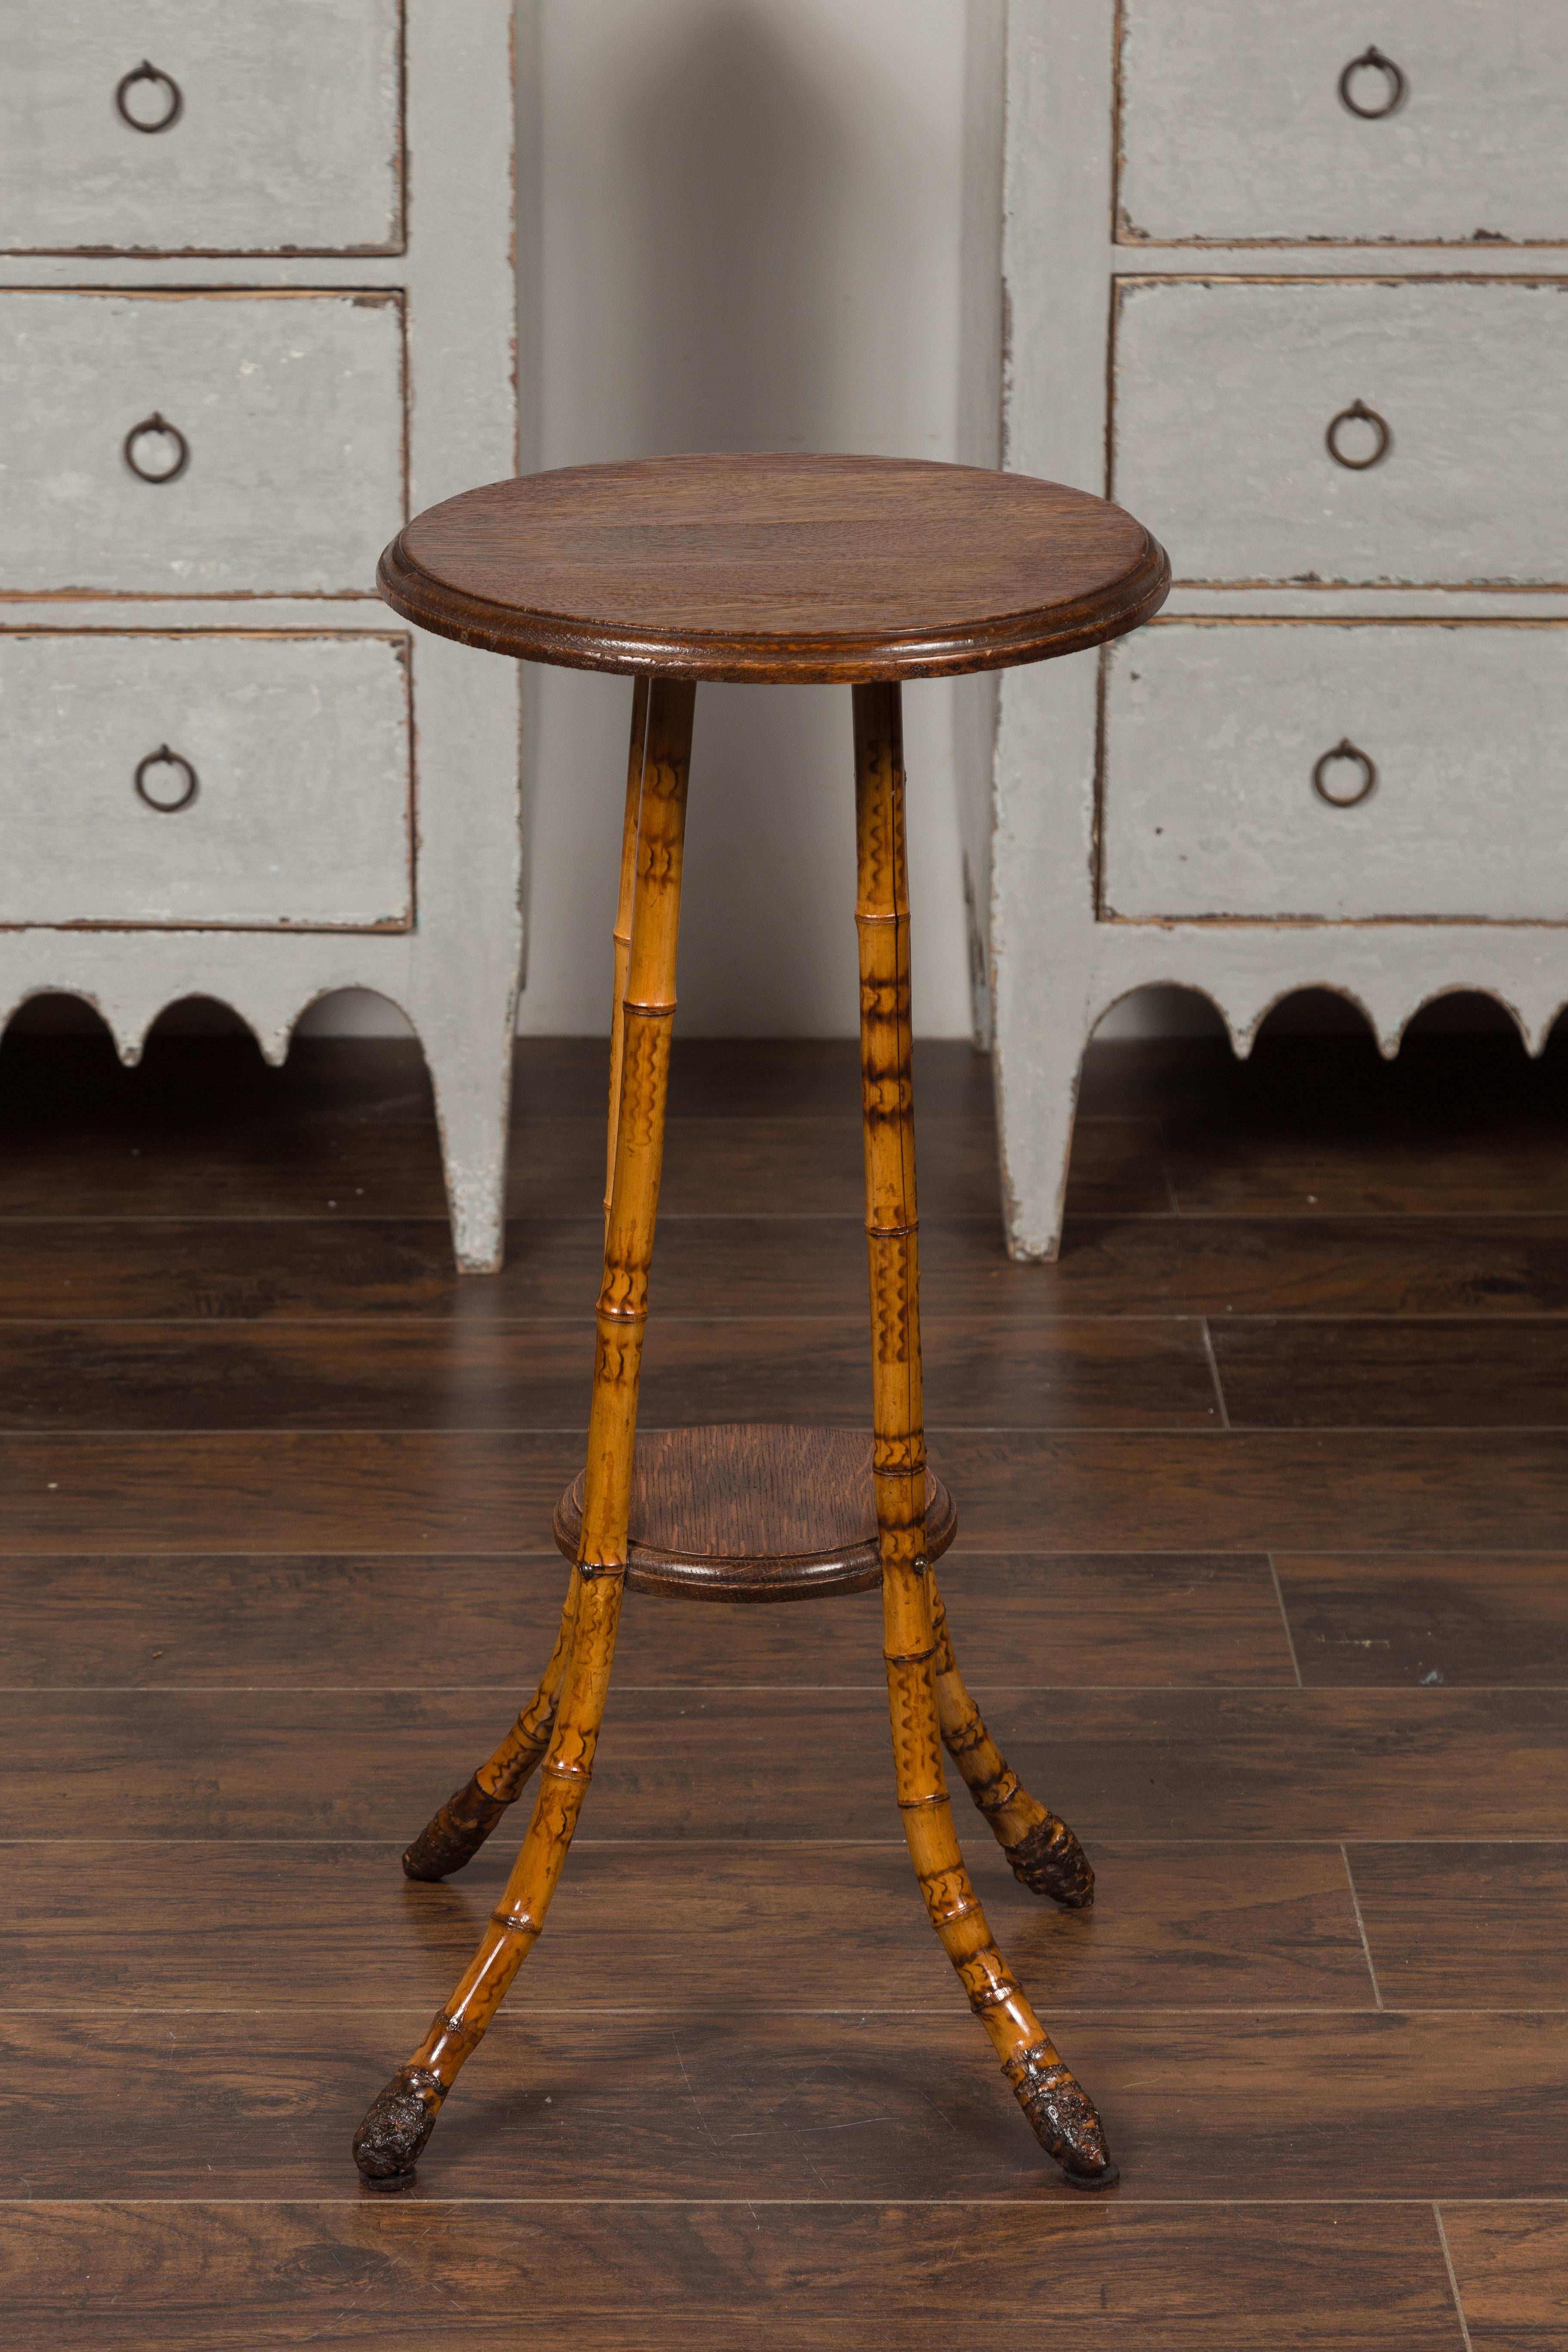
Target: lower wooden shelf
(754, 1511)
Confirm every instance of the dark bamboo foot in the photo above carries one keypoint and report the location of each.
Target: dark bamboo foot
(1044, 1855)
(1062, 2116)
(1050, 1861)
(456, 1834)
(400, 2120)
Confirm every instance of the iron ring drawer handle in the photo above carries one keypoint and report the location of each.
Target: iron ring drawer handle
(174, 105)
(1394, 85)
(1357, 413)
(163, 758)
(156, 423)
(1344, 749)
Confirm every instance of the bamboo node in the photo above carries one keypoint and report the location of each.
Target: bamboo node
(447, 2028)
(909, 1657)
(994, 1994)
(516, 1923)
(996, 1796)
(918, 1804)
(946, 1915)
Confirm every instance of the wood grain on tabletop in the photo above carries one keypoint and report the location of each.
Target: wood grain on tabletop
(875, 568)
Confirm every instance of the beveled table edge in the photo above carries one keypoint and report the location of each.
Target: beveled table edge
(834, 657)
(783, 1576)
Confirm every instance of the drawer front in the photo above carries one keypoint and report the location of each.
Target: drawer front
(290, 408)
(296, 759)
(287, 136)
(1213, 733)
(1224, 394)
(1233, 129)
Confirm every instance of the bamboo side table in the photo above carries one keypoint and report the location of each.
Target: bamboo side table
(799, 569)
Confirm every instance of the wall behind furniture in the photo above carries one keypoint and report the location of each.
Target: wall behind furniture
(749, 226)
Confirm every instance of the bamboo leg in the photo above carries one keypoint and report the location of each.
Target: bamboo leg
(456, 1834)
(1044, 1855)
(400, 2120)
(1059, 2109)
(622, 935)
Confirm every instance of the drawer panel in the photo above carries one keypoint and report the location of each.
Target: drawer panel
(291, 409)
(1213, 731)
(301, 754)
(1224, 393)
(1232, 127)
(288, 136)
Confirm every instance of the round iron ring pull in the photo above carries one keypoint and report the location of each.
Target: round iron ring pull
(1344, 751)
(1357, 413)
(170, 433)
(173, 100)
(1394, 85)
(187, 775)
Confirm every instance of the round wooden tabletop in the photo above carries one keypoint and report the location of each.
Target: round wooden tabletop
(787, 569)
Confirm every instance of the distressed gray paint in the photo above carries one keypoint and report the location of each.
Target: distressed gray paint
(1233, 127)
(454, 973)
(1224, 393)
(1056, 967)
(293, 408)
(270, 725)
(1212, 734)
(288, 134)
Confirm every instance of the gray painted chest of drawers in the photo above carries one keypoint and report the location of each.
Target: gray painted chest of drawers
(257, 306)
(1289, 282)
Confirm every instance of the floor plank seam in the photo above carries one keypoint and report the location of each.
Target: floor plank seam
(1360, 1926)
(1220, 1405)
(1285, 1622)
(518, 2022)
(1265, 1841)
(356, 2198)
(1327, 1694)
(1453, 2277)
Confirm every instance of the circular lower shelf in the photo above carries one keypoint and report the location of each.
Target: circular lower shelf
(754, 1511)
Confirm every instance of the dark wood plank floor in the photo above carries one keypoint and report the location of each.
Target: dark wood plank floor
(1262, 1578)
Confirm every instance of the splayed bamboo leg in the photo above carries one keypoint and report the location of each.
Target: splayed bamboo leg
(1060, 2110)
(1044, 1855)
(400, 2120)
(456, 1834)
